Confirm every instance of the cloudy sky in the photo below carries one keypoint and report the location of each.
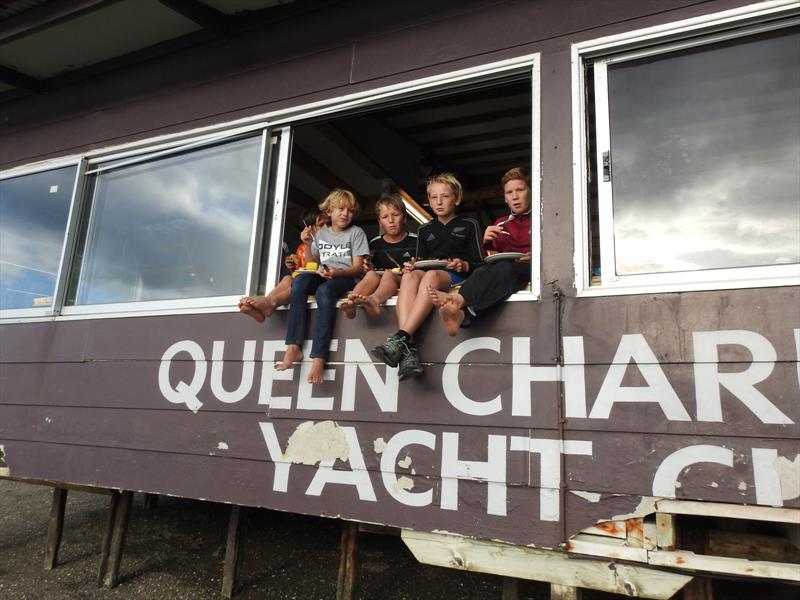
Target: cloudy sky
(706, 157)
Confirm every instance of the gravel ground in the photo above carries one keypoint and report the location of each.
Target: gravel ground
(176, 551)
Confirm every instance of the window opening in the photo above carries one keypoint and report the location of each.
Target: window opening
(477, 134)
(34, 210)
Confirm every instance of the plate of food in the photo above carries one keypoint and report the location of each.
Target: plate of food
(433, 263)
(504, 256)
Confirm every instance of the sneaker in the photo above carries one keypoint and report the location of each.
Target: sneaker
(391, 351)
(409, 363)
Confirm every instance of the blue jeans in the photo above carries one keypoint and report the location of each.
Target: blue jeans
(327, 291)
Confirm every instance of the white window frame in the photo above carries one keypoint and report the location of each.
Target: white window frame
(662, 39)
(281, 121)
(79, 165)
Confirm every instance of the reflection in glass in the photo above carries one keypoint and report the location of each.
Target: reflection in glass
(176, 227)
(33, 221)
(705, 145)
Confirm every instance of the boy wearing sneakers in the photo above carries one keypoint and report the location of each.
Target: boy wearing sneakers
(455, 240)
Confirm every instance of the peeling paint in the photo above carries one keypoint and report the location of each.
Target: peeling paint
(379, 445)
(403, 483)
(678, 484)
(588, 496)
(742, 487)
(48, 420)
(405, 463)
(647, 505)
(789, 473)
(413, 471)
(222, 446)
(311, 443)
(714, 484)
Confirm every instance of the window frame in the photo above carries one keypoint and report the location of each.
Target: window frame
(102, 165)
(63, 265)
(270, 203)
(597, 55)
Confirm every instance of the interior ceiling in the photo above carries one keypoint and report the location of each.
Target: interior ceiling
(44, 43)
(477, 135)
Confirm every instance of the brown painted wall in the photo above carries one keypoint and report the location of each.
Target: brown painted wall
(80, 401)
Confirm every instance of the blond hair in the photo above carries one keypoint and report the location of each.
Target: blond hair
(394, 201)
(520, 173)
(339, 198)
(447, 179)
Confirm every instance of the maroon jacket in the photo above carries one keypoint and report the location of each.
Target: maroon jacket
(520, 239)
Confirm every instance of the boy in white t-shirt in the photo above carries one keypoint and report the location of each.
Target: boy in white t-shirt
(340, 249)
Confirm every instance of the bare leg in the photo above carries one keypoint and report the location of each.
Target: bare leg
(421, 305)
(294, 353)
(387, 288)
(450, 309)
(409, 285)
(317, 371)
(366, 286)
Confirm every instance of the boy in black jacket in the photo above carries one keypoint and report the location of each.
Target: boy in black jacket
(455, 240)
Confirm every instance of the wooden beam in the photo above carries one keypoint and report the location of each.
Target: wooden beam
(202, 14)
(46, 15)
(59, 484)
(55, 527)
(19, 79)
(347, 581)
(477, 119)
(233, 547)
(479, 138)
(551, 566)
(665, 531)
(729, 511)
(114, 538)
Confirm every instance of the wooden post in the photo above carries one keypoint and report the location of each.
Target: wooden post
(348, 563)
(230, 570)
(55, 527)
(114, 538)
(510, 588)
(564, 592)
(150, 501)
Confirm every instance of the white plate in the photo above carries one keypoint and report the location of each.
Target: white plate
(304, 272)
(504, 256)
(430, 264)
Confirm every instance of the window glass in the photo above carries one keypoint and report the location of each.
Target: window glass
(176, 227)
(33, 221)
(705, 147)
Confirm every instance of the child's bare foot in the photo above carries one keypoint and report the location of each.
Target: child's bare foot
(452, 315)
(439, 298)
(317, 372)
(258, 307)
(246, 308)
(293, 354)
(369, 303)
(348, 307)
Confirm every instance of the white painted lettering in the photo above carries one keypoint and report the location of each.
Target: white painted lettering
(270, 375)
(248, 366)
(550, 452)
(357, 475)
(493, 471)
(634, 347)
(388, 470)
(666, 477)
(280, 481)
(708, 380)
(767, 480)
(356, 359)
(452, 390)
(183, 393)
